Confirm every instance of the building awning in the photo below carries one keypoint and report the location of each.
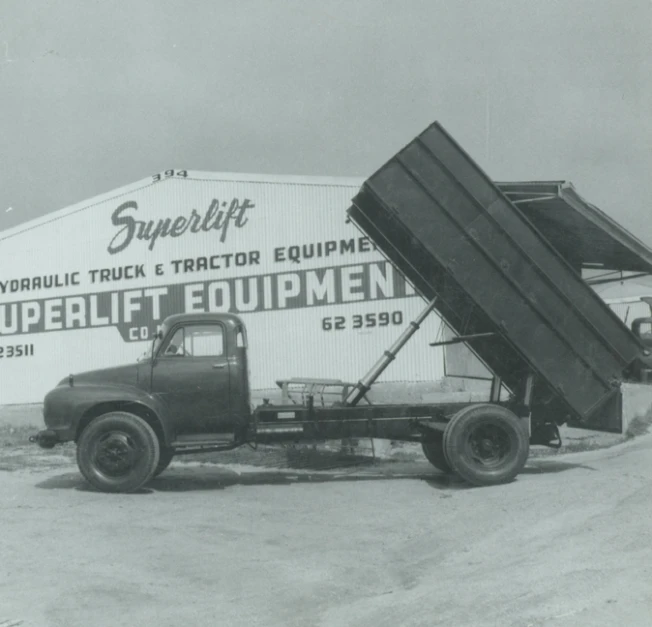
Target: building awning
(585, 236)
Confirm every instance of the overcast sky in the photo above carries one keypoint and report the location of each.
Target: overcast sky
(96, 95)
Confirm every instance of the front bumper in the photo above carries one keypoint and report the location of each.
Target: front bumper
(45, 439)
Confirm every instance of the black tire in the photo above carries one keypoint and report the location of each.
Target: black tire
(486, 444)
(118, 452)
(164, 460)
(433, 449)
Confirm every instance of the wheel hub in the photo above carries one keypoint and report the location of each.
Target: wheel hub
(116, 454)
(489, 445)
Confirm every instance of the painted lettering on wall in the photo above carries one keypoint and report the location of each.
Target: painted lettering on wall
(44, 282)
(218, 217)
(147, 307)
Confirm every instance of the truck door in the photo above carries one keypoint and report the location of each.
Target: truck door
(191, 375)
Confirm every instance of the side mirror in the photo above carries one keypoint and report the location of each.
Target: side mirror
(157, 336)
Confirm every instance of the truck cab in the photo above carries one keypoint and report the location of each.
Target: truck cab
(198, 371)
(190, 389)
(642, 329)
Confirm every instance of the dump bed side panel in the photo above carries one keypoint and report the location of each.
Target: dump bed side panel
(449, 229)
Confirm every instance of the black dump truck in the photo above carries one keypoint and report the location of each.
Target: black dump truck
(501, 264)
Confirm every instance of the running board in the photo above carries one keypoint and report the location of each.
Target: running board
(203, 439)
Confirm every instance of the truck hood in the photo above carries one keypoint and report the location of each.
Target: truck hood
(118, 375)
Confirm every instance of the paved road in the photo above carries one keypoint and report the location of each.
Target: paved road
(567, 544)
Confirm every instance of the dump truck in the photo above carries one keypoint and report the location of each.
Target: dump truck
(478, 255)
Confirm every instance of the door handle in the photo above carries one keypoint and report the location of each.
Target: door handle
(219, 366)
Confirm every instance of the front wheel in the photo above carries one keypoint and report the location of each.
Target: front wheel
(118, 452)
(486, 444)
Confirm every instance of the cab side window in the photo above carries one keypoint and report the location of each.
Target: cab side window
(206, 340)
(197, 340)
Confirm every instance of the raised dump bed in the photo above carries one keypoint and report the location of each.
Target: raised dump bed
(456, 236)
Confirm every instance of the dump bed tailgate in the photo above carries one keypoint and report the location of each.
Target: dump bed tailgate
(451, 231)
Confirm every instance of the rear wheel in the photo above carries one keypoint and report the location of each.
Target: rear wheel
(486, 444)
(433, 449)
(118, 452)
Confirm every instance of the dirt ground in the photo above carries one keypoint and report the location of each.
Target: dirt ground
(569, 543)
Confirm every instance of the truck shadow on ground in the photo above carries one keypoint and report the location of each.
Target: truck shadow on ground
(181, 478)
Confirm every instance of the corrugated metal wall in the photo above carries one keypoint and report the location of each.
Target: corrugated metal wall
(317, 299)
(630, 309)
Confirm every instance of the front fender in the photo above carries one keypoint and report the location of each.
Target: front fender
(65, 406)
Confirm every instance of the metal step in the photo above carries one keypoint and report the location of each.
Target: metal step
(203, 439)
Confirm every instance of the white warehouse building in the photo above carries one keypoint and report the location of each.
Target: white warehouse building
(86, 287)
